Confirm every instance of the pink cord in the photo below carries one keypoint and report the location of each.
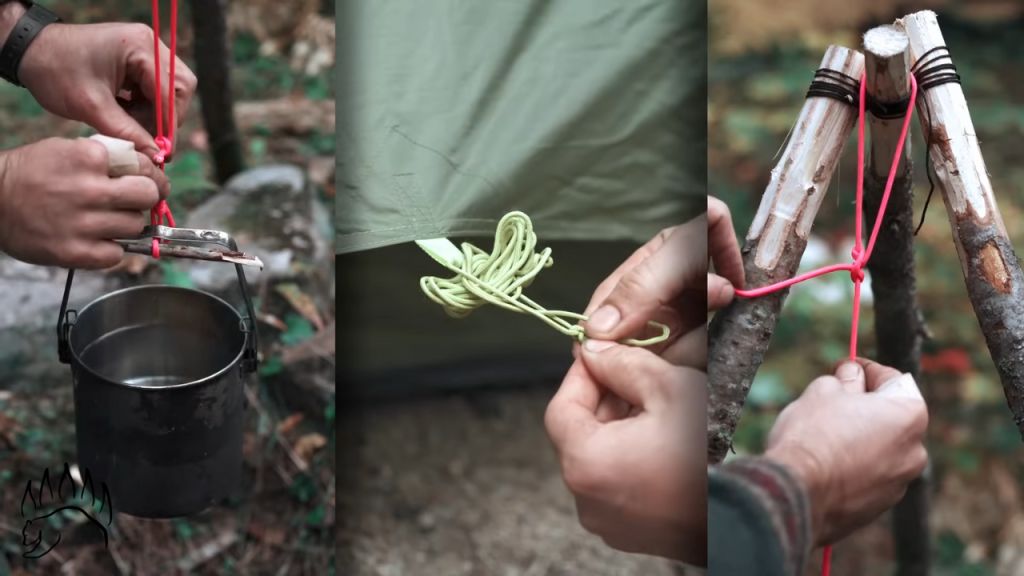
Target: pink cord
(860, 255)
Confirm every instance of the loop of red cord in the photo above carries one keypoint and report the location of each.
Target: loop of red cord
(161, 211)
(860, 255)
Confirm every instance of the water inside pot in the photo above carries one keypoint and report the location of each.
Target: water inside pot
(157, 355)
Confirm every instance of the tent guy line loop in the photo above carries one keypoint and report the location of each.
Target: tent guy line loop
(860, 253)
(500, 277)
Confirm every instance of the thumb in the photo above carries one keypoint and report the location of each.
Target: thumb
(720, 292)
(110, 119)
(680, 263)
(851, 377)
(901, 387)
(631, 373)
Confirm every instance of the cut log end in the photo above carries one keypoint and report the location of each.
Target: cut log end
(886, 41)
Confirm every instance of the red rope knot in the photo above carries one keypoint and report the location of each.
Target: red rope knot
(164, 143)
(856, 273)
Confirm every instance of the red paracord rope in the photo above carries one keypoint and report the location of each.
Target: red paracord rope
(161, 210)
(860, 254)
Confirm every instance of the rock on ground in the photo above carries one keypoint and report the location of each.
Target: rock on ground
(273, 213)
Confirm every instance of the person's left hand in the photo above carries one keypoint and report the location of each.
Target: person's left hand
(80, 71)
(639, 478)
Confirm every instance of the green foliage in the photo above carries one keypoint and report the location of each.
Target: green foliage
(299, 330)
(174, 276)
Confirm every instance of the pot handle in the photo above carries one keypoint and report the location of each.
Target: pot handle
(123, 161)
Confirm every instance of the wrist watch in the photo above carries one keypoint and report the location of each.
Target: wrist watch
(24, 32)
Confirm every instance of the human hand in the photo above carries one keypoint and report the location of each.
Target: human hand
(77, 71)
(856, 441)
(58, 206)
(639, 476)
(663, 281)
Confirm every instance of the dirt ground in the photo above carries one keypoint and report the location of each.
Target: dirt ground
(464, 486)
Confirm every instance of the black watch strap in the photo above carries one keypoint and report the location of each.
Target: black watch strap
(24, 32)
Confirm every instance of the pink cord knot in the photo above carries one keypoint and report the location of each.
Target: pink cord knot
(856, 274)
(856, 252)
(164, 144)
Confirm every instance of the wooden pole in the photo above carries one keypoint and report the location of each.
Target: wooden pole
(738, 336)
(898, 320)
(990, 267)
(213, 71)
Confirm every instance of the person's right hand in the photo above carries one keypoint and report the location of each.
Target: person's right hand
(663, 282)
(856, 440)
(58, 206)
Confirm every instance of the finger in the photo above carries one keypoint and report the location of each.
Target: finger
(571, 415)
(641, 254)
(612, 408)
(185, 84)
(112, 225)
(636, 375)
(690, 350)
(95, 255)
(681, 262)
(903, 386)
(722, 245)
(876, 374)
(141, 72)
(720, 292)
(114, 121)
(150, 170)
(135, 193)
(851, 377)
(823, 385)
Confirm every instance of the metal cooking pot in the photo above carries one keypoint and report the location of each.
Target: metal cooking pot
(159, 375)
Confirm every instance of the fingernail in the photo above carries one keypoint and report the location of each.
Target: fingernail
(604, 319)
(902, 386)
(597, 345)
(848, 371)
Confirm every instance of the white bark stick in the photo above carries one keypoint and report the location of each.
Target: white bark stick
(801, 178)
(887, 64)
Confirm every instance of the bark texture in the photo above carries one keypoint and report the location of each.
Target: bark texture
(213, 72)
(738, 336)
(738, 339)
(899, 330)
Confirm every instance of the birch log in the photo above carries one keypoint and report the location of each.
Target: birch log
(990, 267)
(738, 336)
(898, 321)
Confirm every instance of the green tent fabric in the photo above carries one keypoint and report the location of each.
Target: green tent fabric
(588, 115)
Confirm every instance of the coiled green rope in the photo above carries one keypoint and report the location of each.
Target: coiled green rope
(500, 277)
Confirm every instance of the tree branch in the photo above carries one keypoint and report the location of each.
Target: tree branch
(990, 267)
(738, 336)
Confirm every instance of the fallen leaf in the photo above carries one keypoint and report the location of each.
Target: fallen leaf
(250, 445)
(308, 444)
(302, 303)
(289, 423)
(272, 320)
(272, 536)
(321, 170)
(321, 345)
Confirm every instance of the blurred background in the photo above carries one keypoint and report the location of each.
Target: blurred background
(259, 166)
(763, 57)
